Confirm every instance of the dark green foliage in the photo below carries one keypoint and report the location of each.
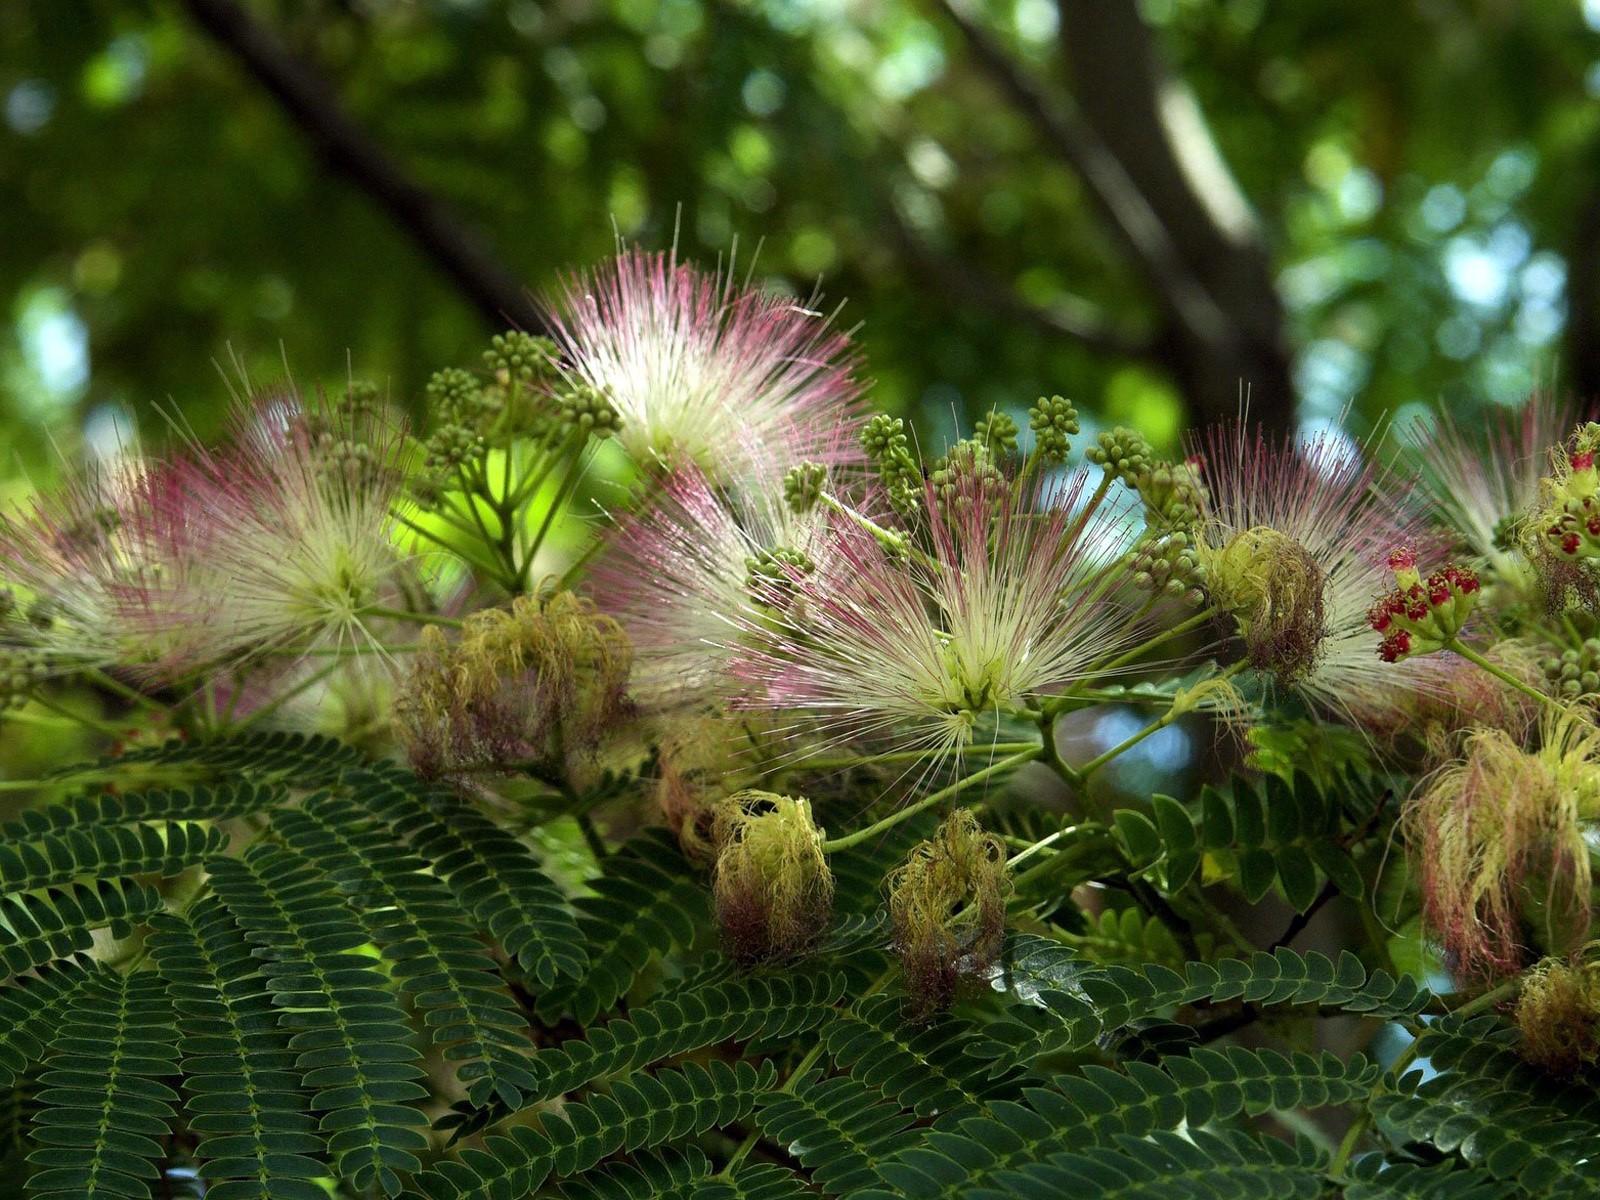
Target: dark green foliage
(491, 875)
(1201, 1166)
(216, 803)
(350, 1037)
(1260, 833)
(28, 1012)
(638, 1113)
(167, 849)
(1082, 1002)
(774, 1007)
(296, 759)
(244, 1098)
(1372, 1178)
(837, 1128)
(647, 901)
(433, 953)
(106, 1107)
(1495, 1112)
(42, 926)
(966, 1153)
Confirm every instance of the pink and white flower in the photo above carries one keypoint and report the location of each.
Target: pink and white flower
(1347, 513)
(697, 367)
(1004, 600)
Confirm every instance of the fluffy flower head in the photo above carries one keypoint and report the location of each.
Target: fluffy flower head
(1333, 515)
(996, 597)
(1500, 818)
(695, 365)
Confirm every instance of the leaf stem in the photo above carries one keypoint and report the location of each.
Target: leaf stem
(911, 810)
(1502, 674)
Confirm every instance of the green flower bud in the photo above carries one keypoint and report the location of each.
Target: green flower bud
(996, 433)
(520, 358)
(1122, 452)
(1054, 422)
(885, 442)
(803, 486)
(584, 410)
(1276, 591)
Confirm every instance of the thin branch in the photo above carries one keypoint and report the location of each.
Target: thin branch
(964, 280)
(310, 101)
(1120, 201)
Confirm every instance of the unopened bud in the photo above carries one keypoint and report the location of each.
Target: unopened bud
(1276, 591)
(803, 486)
(1422, 615)
(1054, 423)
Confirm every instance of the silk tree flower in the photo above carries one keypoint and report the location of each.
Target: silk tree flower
(1002, 600)
(85, 570)
(697, 366)
(681, 575)
(1294, 543)
(1482, 479)
(1499, 832)
(283, 539)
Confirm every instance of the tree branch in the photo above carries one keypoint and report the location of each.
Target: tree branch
(1137, 141)
(310, 101)
(1119, 200)
(963, 280)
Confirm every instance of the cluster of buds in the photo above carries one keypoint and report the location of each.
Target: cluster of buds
(520, 393)
(803, 485)
(966, 476)
(1568, 521)
(1168, 563)
(1123, 453)
(22, 670)
(1174, 494)
(1054, 422)
(948, 908)
(774, 891)
(886, 445)
(1422, 615)
(538, 684)
(997, 433)
(1574, 674)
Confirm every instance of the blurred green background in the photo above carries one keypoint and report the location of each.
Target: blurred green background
(1142, 206)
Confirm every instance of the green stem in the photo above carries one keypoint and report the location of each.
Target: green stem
(278, 702)
(911, 810)
(1123, 659)
(87, 722)
(910, 756)
(1167, 718)
(400, 614)
(1502, 675)
(1472, 1008)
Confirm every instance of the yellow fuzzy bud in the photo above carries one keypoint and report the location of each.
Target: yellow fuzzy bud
(947, 905)
(1558, 1011)
(1276, 592)
(774, 891)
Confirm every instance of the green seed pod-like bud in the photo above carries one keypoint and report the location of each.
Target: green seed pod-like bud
(583, 409)
(774, 891)
(948, 907)
(1054, 422)
(885, 442)
(518, 357)
(1558, 1011)
(1123, 453)
(996, 433)
(803, 486)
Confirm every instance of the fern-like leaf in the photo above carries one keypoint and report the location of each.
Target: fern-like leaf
(494, 876)
(167, 849)
(39, 927)
(647, 901)
(29, 1011)
(644, 1111)
(235, 799)
(961, 1155)
(351, 1040)
(837, 1128)
(1372, 1178)
(434, 953)
(244, 1101)
(104, 1105)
